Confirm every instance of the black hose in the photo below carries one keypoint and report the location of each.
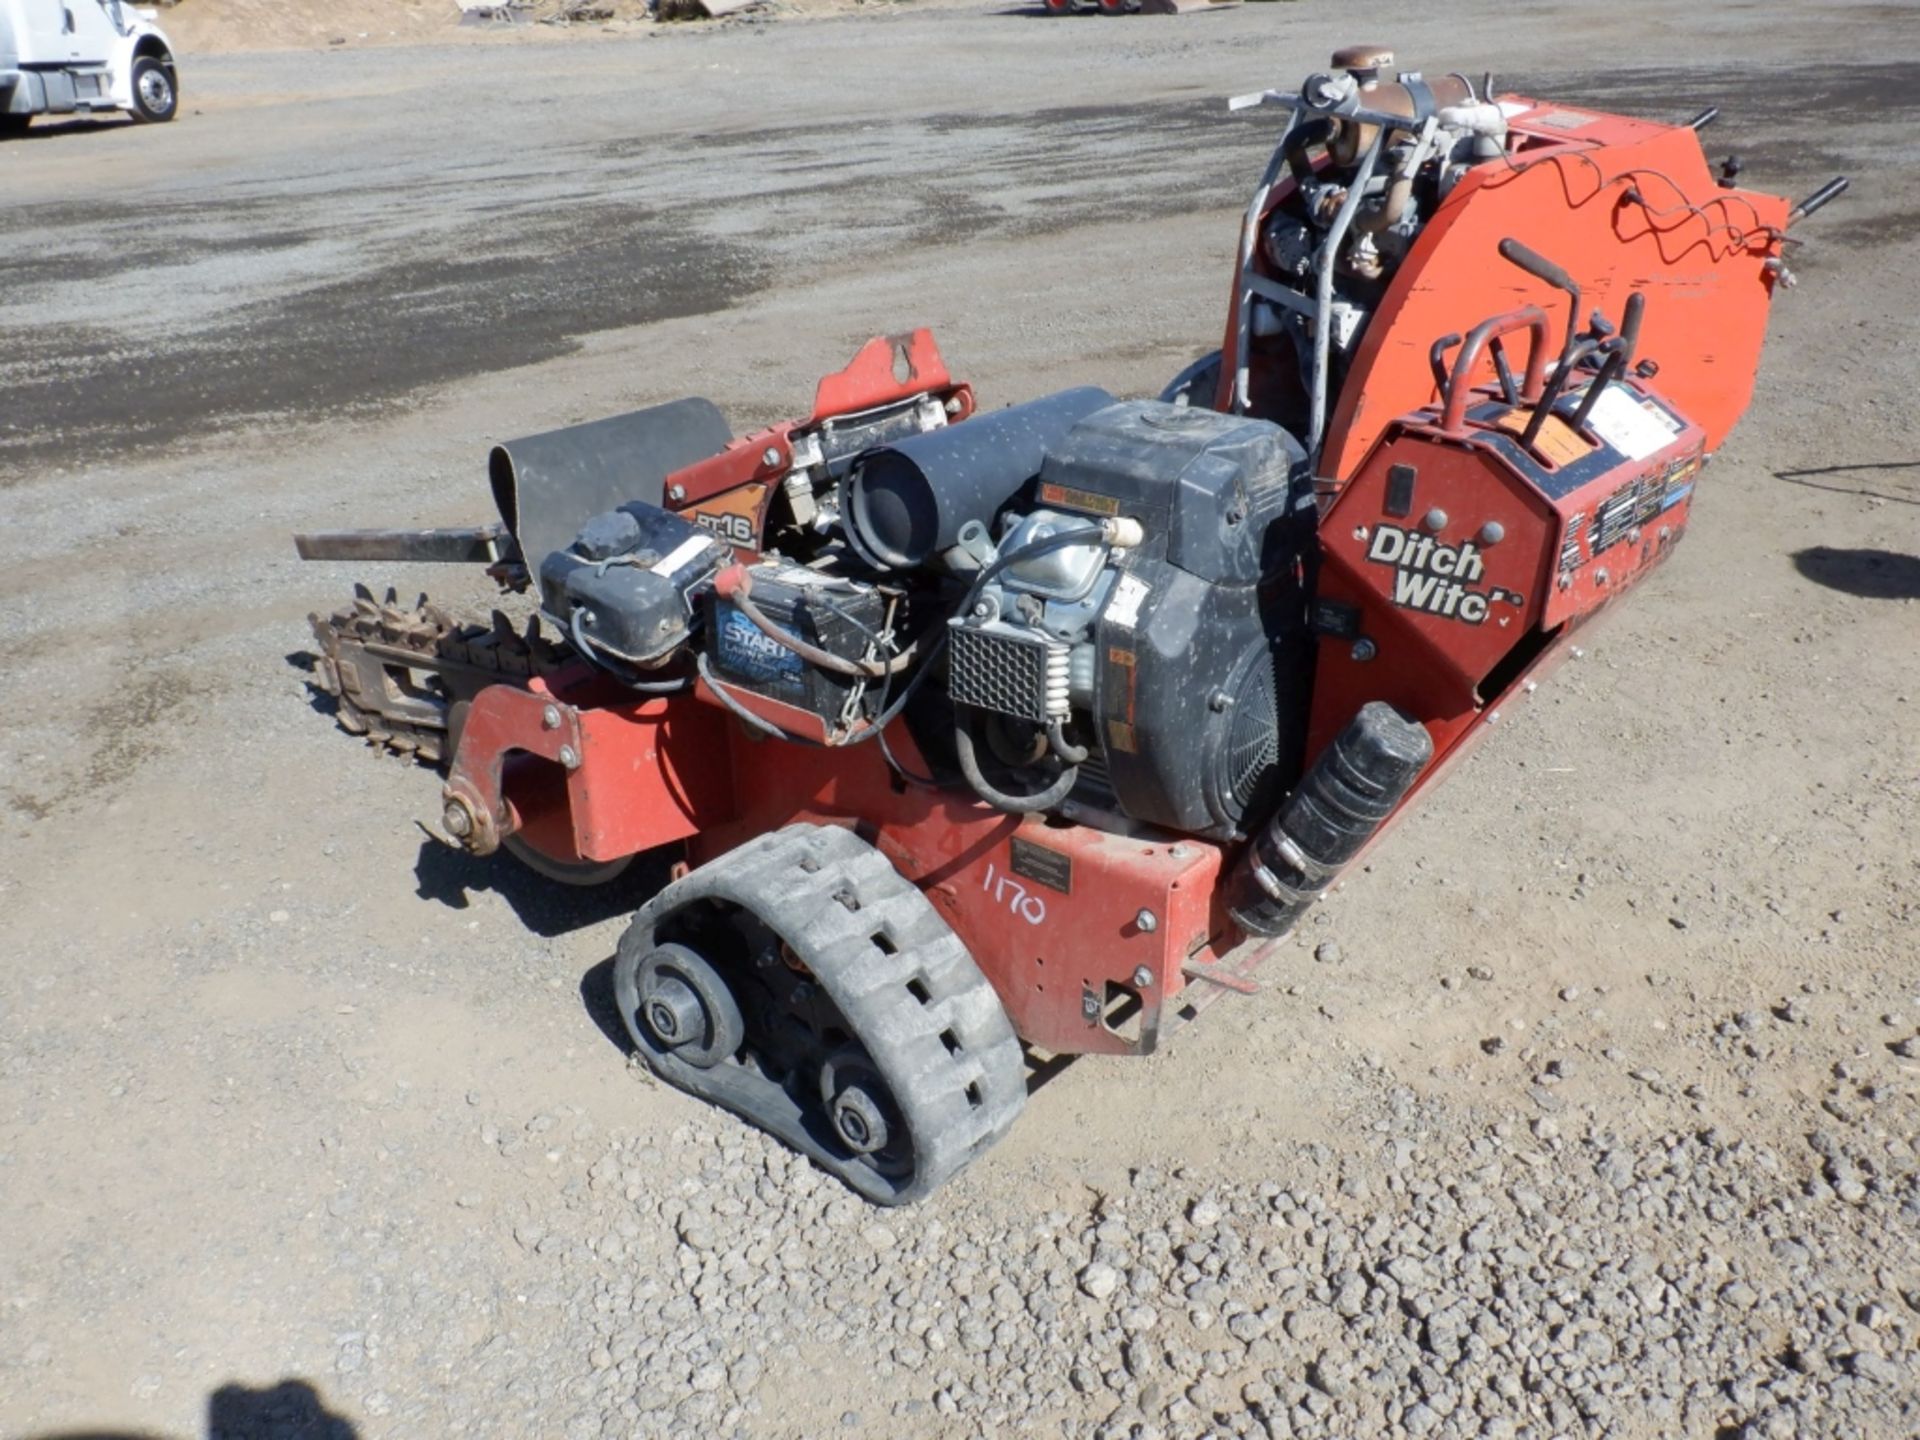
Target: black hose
(1000, 800)
(1057, 742)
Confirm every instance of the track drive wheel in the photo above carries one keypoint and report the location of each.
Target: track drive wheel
(801, 982)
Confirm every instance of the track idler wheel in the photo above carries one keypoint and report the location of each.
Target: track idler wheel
(687, 1007)
(803, 983)
(861, 1110)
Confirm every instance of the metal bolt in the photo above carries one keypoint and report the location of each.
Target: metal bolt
(569, 757)
(770, 455)
(1364, 650)
(676, 492)
(1142, 978)
(1218, 701)
(1493, 717)
(458, 819)
(1633, 536)
(550, 717)
(1492, 533)
(952, 406)
(1147, 922)
(1435, 519)
(1600, 577)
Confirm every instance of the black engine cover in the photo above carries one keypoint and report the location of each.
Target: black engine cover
(629, 583)
(1201, 650)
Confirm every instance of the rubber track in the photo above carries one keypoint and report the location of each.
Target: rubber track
(929, 1020)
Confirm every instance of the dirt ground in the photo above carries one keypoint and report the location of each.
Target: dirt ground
(254, 1027)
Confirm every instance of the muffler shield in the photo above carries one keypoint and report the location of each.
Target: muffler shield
(547, 486)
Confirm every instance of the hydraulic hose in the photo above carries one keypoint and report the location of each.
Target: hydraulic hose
(1058, 743)
(1000, 800)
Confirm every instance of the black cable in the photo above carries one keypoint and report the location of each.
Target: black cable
(925, 782)
(722, 693)
(820, 597)
(1059, 540)
(590, 654)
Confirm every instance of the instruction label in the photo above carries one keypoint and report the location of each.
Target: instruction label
(1636, 428)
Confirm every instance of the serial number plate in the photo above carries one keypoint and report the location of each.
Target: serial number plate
(1043, 866)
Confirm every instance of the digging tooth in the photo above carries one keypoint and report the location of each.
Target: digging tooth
(447, 649)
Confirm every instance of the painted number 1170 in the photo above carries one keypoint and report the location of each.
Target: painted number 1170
(1016, 897)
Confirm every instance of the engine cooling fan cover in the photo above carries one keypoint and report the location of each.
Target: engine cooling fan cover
(1242, 740)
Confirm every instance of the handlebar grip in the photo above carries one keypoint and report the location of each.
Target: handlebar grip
(1537, 265)
(1833, 189)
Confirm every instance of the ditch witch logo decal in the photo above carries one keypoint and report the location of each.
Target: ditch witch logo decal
(1436, 579)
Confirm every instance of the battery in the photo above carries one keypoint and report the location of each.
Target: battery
(840, 616)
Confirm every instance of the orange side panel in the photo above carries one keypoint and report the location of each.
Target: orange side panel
(1696, 251)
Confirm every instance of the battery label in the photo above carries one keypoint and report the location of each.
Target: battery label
(744, 651)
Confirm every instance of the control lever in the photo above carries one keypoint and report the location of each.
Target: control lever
(1832, 190)
(1618, 360)
(1541, 268)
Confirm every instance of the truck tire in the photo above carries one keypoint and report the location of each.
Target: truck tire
(155, 97)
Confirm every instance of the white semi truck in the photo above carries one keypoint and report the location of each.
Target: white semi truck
(67, 57)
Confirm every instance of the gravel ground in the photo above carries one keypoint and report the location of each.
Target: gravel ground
(1586, 1108)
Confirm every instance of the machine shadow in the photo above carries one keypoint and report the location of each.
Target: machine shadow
(1813, 479)
(286, 1410)
(1869, 574)
(546, 907)
(596, 998)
